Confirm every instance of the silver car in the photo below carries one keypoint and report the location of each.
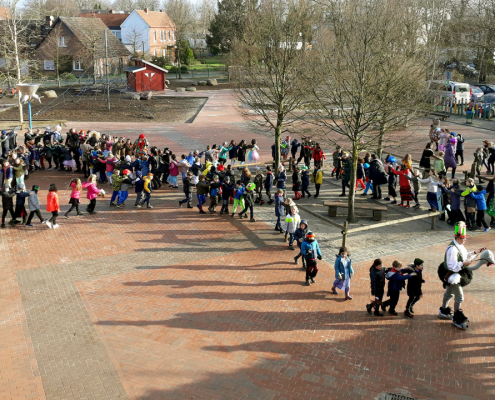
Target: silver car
(476, 93)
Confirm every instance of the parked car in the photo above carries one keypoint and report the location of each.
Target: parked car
(490, 99)
(487, 89)
(476, 93)
(458, 90)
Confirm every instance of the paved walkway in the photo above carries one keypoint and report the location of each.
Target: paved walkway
(165, 303)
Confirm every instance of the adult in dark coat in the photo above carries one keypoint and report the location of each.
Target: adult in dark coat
(346, 178)
(425, 161)
(377, 176)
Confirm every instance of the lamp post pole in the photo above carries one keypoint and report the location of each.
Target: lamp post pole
(26, 92)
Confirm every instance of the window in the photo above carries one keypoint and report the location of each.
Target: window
(163, 52)
(61, 41)
(77, 65)
(154, 36)
(168, 35)
(173, 35)
(49, 65)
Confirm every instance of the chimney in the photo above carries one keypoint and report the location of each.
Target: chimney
(146, 10)
(49, 21)
(112, 12)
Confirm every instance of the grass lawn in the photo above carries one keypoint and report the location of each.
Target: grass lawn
(211, 62)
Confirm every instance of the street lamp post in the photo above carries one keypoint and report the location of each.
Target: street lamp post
(27, 92)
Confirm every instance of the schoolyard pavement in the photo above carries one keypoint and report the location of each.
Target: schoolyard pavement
(169, 304)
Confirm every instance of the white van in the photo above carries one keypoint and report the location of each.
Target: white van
(450, 89)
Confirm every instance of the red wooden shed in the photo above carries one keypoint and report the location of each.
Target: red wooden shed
(145, 76)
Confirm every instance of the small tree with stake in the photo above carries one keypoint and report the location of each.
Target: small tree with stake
(365, 57)
(269, 81)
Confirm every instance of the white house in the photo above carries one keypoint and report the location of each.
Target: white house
(150, 31)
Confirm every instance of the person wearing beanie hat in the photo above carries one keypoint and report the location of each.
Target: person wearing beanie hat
(214, 191)
(188, 185)
(124, 188)
(311, 252)
(227, 192)
(299, 236)
(456, 261)
(305, 178)
(414, 287)
(396, 277)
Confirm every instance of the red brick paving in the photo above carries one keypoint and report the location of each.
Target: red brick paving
(240, 325)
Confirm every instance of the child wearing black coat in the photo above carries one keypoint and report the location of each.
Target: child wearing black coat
(227, 192)
(414, 288)
(188, 185)
(377, 280)
(269, 184)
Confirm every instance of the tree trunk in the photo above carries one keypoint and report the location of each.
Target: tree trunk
(352, 190)
(381, 136)
(278, 135)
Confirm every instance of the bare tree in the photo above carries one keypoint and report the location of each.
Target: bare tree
(205, 11)
(152, 5)
(133, 40)
(182, 14)
(365, 58)
(62, 8)
(14, 43)
(124, 5)
(269, 84)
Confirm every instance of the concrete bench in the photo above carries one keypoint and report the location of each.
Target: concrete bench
(377, 209)
(440, 115)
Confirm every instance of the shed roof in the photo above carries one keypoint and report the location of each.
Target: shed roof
(150, 64)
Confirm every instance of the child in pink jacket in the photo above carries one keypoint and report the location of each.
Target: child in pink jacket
(75, 196)
(110, 162)
(93, 193)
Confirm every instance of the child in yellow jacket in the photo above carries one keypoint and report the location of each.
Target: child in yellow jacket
(147, 190)
(317, 178)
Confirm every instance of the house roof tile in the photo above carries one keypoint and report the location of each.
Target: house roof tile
(156, 19)
(4, 13)
(90, 30)
(109, 20)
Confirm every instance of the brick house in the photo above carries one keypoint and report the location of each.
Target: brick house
(111, 18)
(76, 45)
(151, 32)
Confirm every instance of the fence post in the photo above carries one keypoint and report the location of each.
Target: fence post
(208, 69)
(344, 233)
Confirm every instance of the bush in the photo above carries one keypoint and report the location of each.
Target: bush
(175, 69)
(67, 76)
(160, 61)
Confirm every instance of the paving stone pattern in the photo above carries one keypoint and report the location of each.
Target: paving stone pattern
(165, 303)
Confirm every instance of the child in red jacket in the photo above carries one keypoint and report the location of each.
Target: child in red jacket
(405, 185)
(53, 206)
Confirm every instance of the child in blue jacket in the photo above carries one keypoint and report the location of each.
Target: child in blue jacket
(479, 196)
(269, 184)
(238, 197)
(311, 251)
(396, 282)
(299, 236)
